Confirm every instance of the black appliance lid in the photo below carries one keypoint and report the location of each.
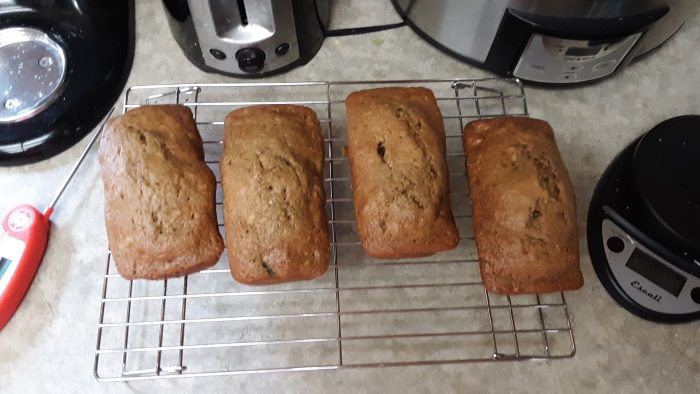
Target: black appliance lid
(77, 56)
(666, 167)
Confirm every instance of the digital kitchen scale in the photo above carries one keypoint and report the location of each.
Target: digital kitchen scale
(644, 224)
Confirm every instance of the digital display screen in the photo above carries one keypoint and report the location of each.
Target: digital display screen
(583, 51)
(656, 272)
(4, 265)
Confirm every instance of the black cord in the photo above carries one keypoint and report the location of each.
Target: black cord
(363, 30)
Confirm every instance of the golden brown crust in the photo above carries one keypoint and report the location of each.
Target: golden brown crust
(396, 146)
(160, 208)
(274, 201)
(524, 208)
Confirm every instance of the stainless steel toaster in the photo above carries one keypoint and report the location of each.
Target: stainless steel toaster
(248, 38)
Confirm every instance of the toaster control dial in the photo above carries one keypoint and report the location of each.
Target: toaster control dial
(251, 60)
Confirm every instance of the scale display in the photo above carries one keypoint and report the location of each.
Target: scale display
(656, 272)
(644, 277)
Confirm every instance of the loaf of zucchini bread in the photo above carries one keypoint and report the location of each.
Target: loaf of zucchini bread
(524, 208)
(160, 208)
(274, 200)
(396, 147)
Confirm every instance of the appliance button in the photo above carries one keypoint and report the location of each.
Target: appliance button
(282, 49)
(616, 244)
(251, 60)
(218, 55)
(695, 295)
(604, 65)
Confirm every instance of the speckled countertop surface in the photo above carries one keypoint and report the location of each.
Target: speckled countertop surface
(49, 344)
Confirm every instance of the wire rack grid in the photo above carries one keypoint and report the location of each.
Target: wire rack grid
(362, 312)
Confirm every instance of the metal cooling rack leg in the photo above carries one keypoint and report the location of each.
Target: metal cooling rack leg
(333, 234)
(337, 303)
(183, 312)
(522, 93)
(457, 86)
(476, 101)
(162, 326)
(568, 324)
(126, 100)
(126, 327)
(496, 354)
(503, 103)
(182, 326)
(545, 342)
(512, 325)
(98, 345)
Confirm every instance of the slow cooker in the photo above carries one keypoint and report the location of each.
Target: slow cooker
(545, 41)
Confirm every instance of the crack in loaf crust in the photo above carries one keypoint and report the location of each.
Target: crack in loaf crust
(160, 209)
(274, 201)
(524, 208)
(396, 146)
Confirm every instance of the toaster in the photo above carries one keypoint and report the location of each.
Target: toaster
(248, 38)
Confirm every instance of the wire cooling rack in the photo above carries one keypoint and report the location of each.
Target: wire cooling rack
(362, 312)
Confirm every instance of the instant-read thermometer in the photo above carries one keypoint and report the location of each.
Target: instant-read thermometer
(25, 231)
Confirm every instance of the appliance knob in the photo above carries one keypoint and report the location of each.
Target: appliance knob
(251, 60)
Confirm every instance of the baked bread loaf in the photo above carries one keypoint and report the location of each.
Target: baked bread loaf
(524, 208)
(160, 210)
(396, 146)
(274, 201)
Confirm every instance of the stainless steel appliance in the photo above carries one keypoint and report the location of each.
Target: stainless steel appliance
(248, 38)
(546, 41)
(62, 66)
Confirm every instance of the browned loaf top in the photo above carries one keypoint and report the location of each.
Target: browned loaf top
(524, 209)
(274, 201)
(396, 146)
(160, 210)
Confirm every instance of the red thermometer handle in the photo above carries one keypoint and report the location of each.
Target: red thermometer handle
(22, 245)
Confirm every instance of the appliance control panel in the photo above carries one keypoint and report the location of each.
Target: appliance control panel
(644, 276)
(550, 59)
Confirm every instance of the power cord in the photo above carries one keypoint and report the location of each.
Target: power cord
(363, 30)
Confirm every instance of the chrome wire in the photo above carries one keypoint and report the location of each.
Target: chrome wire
(147, 334)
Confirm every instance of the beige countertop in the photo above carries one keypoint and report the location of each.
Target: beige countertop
(49, 344)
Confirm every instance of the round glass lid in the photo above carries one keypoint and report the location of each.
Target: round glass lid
(32, 72)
